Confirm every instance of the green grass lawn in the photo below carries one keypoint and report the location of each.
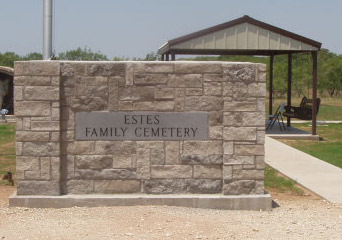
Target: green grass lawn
(329, 149)
(7, 149)
(275, 182)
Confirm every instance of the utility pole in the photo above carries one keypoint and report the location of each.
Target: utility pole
(47, 41)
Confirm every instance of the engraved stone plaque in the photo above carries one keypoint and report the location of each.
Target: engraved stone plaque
(141, 126)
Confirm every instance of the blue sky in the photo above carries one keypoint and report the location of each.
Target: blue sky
(132, 28)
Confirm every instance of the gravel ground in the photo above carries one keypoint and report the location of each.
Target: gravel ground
(306, 217)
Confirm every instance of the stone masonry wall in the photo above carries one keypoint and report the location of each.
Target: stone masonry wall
(50, 161)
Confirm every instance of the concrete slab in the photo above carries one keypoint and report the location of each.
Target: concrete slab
(239, 202)
(318, 176)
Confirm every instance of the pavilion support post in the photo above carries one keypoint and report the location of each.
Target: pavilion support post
(270, 106)
(314, 92)
(173, 57)
(167, 57)
(289, 85)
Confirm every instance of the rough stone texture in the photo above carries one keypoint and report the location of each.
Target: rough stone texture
(49, 94)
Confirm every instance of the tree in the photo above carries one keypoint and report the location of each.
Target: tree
(8, 58)
(333, 81)
(84, 54)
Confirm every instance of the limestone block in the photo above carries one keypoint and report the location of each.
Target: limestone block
(260, 162)
(240, 106)
(122, 161)
(96, 81)
(179, 100)
(200, 159)
(143, 93)
(157, 156)
(115, 147)
(258, 150)
(241, 160)
(18, 93)
(216, 132)
(79, 186)
(55, 164)
(150, 79)
(194, 91)
(117, 186)
(205, 103)
(248, 174)
(70, 165)
(104, 69)
(228, 148)
(105, 174)
(239, 133)
(164, 93)
(55, 114)
(164, 105)
(67, 69)
(42, 149)
(97, 91)
(168, 186)
(55, 81)
(228, 89)
(45, 126)
(144, 106)
(213, 88)
(240, 187)
(26, 123)
(239, 90)
(213, 77)
(253, 119)
(172, 152)
(185, 80)
(257, 89)
(94, 161)
(260, 105)
(37, 68)
(45, 168)
(26, 163)
(51, 188)
(125, 105)
(129, 78)
(32, 175)
(81, 147)
(261, 137)
(216, 118)
(70, 81)
(227, 172)
(150, 144)
(211, 172)
(153, 68)
(204, 148)
(28, 136)
(171, 171)
(113, 91)
(143, 163)
(19, 124)
(89, 103)
(30, 108)
(182, 67)
(240, 72)
(19, 148)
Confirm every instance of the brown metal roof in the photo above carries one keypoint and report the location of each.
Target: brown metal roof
(177, 45)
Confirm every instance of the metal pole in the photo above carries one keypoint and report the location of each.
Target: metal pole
(270, 107)
(47, 41)
(314, 92)
(289, 85)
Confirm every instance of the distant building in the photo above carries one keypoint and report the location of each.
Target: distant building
(6, 89)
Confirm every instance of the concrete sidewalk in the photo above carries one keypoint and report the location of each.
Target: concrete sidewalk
(314, 174)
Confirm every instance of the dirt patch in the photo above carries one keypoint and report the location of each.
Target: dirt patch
(298, 217)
